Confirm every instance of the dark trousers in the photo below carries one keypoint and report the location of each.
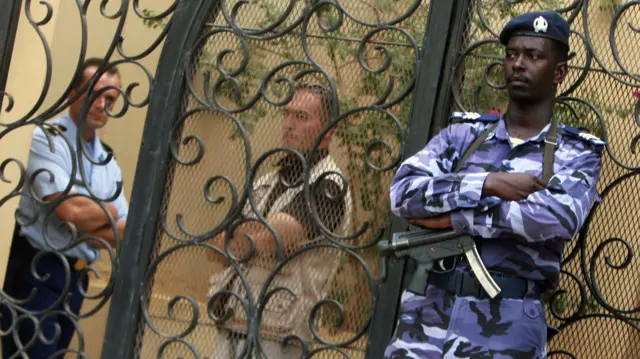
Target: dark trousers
(45, 310)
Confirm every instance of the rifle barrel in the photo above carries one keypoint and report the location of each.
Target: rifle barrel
(404, 240)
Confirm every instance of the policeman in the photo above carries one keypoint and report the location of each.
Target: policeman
(46, 225)
(522, 184)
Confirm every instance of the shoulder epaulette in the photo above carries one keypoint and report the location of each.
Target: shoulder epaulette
(583, 135)
(54, 129)
(107, 148)
(473, 117)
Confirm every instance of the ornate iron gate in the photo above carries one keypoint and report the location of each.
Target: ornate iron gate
(596, 308)
(243, 65)
(217, 127)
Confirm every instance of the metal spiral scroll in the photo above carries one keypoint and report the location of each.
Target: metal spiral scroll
(23, 185)
(206, 89)
(603, 258)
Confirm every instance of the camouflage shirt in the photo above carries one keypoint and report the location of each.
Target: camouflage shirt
(524, 238)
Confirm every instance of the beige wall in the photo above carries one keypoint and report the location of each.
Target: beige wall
(123, 134)
(28, 71)
(25, 81)
(28, 66)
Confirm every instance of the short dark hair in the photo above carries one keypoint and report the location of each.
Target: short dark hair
(326, 98)
(92, 62)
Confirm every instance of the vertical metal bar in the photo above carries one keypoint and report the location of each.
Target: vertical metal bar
(444, 28)
(124, 316)
(461, 20)
(9, 17)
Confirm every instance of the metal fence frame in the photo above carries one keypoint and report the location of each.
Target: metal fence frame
(188, 20)
(446, 25)
(9, 19)
(446, 18)
(430, 104)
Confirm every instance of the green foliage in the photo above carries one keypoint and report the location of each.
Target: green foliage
(565, 304)
(609, 5)
(365, 88)
(339, 56)
(153, 24)
(506, 9)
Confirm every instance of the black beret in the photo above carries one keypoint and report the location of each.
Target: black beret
(547, 24)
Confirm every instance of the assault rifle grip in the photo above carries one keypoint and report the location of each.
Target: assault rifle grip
(419, 279)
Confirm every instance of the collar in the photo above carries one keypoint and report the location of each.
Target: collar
(291, 166)
(95, 145)
(502, 134)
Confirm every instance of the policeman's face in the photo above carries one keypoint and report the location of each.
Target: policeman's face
(531, 68)
(97, 116)
(303, 121)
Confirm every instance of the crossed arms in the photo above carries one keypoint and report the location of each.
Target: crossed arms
(83, 212)
(495, 204)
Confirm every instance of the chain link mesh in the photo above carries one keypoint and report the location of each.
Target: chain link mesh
(598, 306)
(372, 69)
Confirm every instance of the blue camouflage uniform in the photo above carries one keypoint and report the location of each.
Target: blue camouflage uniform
(29, 240)
(522, 239)
(520, 242)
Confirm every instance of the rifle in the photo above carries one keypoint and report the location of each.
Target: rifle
(426, 246)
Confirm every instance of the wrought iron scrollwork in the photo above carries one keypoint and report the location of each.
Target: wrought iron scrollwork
(602, 96)
(224, 87)
(243, 68)
(38, 116)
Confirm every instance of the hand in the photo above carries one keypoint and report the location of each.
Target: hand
(217, 242)
(439, 222)
(112, 210)
(511, 186)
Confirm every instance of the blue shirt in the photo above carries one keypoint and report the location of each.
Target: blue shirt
(102, 181)
(524, 238)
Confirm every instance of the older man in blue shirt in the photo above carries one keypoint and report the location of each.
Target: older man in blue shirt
(48, 217)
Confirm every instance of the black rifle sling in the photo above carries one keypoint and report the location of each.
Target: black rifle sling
(550, 145)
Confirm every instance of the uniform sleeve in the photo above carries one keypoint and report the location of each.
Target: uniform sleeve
(557, 212)
(57, 163)
(425, 186)
(120, 202)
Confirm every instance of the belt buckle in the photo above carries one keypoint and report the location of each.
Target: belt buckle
(80, 264)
